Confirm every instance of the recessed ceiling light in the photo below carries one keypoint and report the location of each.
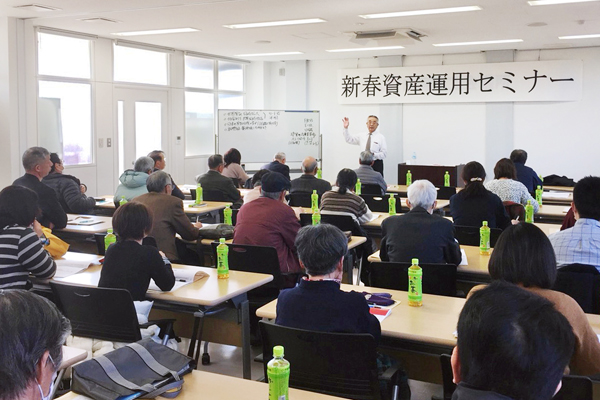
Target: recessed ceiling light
(552, 2)
(366, 49)
(99, 20)
(285, 53)
(157, 32)
(275, 23)
(421, 12)
(37, 7)
(476, 43)
(597, 35)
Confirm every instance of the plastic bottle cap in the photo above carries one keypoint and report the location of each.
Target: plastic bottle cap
(358, 180)
(315, 191)
(415, 261)
(484, 223)
(446, 171)
(528, 202)
(222, 240)
(409, 170)
(539, 187)
(109, 231)
(278, 351)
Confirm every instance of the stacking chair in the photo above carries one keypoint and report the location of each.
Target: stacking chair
(582, 283)
(514, 210)
(103, 313)
(369, 188)
(438, 279)
(301, 199)
(380, 203)
(337, 364)
(469, 235)
(445, 192)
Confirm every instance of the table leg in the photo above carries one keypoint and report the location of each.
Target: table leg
(347, 267)
(245, 310)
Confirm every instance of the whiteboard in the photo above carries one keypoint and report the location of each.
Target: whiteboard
(259, 134)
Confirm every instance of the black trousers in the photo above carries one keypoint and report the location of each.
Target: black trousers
(378, 166)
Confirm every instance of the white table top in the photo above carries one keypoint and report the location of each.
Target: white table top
(87, 224)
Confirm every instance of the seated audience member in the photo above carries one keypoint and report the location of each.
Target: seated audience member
(70, 191)
(511, 344)
(317, 303)
(507, 188)
(569, 220)
(342, 200)
(367, 174)
(21, 249)
(475, 204)
(523, 255)
(167, 215)
(278, 165)
(133, 182)
(256, 184)
(160, 162)
(418, 233)
(308, 180)
(525, 175)
(37, 164)
(233, 168)
(581, 243)
(214, 180)
(128, 263)
(31, 339)
(267, 221)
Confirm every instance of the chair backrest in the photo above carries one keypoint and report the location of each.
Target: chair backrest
(380, 203)
(438, 279)
(575, 388)
(234, 213)
(582, 283)
(445, 192)
(99, 313)
(209, 195)
(469, 235)
(370, 188)
(514, 210)
(339, 364)
(345, 222)
(301, 199)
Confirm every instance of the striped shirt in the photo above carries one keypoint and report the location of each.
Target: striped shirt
(579, 244)
(21, 254)
(347, 203)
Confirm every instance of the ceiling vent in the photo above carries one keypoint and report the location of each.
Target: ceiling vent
(373, 35)
(100, 20)
(388, 37)
(37, 7)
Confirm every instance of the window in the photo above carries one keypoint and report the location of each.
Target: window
(141, 66)
(210, 85)
(65, 97)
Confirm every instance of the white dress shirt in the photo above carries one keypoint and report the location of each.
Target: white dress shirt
(378, 145)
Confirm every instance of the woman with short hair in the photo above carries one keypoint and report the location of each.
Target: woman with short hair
(524, 256)
(506, 186)
(128, 263)
(233, 168)
(475, 204)
(31, 339)
(21, 240)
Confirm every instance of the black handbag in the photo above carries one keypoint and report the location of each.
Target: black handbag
(143, 369)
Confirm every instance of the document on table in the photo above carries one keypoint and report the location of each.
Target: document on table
(463, 259)
(182, 278)
(66, 268)
(83, 221)
(556, 195)
(382, 312)
(566, 209)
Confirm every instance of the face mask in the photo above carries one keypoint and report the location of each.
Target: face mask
(51, 389)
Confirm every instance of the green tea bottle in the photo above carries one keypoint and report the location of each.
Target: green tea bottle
(538, 194)
(316, 217)
(415, 284)
(199, 194)
(314, 201)
(408, 178)
(392, 204)
(222, 260)
(109, 239)
(357, 188)
(529, 212)
(447, 179)
(484, 239)
(227, 215)
(278, 375)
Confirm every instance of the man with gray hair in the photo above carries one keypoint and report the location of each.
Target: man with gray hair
(366, 173)
(133, 181)
(419, 233)
(168, 218)
(214, 180)
(268, 221)
(37, 164)
(308, 181)
(278, 165)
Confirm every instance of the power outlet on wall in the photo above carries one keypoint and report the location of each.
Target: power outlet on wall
(108, 142)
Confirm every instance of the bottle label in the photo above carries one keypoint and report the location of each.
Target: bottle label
(278, 382)
(415, 282)
(484, 240)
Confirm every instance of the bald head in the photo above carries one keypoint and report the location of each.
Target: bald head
(309, 166)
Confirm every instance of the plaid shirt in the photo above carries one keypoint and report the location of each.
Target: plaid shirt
(579, 244)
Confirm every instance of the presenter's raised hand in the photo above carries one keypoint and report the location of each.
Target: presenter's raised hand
(346, 122)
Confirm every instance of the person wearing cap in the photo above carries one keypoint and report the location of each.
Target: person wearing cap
(268, 221)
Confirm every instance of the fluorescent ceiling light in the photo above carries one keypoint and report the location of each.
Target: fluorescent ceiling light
(366, 49)
(285, 53)
(37, 7)
(552, 2)
(421, 12)
(157, 32)
(597, 35)
(275, 23)
(475, 43)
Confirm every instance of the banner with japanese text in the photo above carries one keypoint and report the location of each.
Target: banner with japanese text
(472, 83)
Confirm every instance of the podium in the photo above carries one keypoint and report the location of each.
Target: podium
(433, 173)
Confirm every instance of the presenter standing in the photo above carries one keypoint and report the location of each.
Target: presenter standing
(372, 141)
